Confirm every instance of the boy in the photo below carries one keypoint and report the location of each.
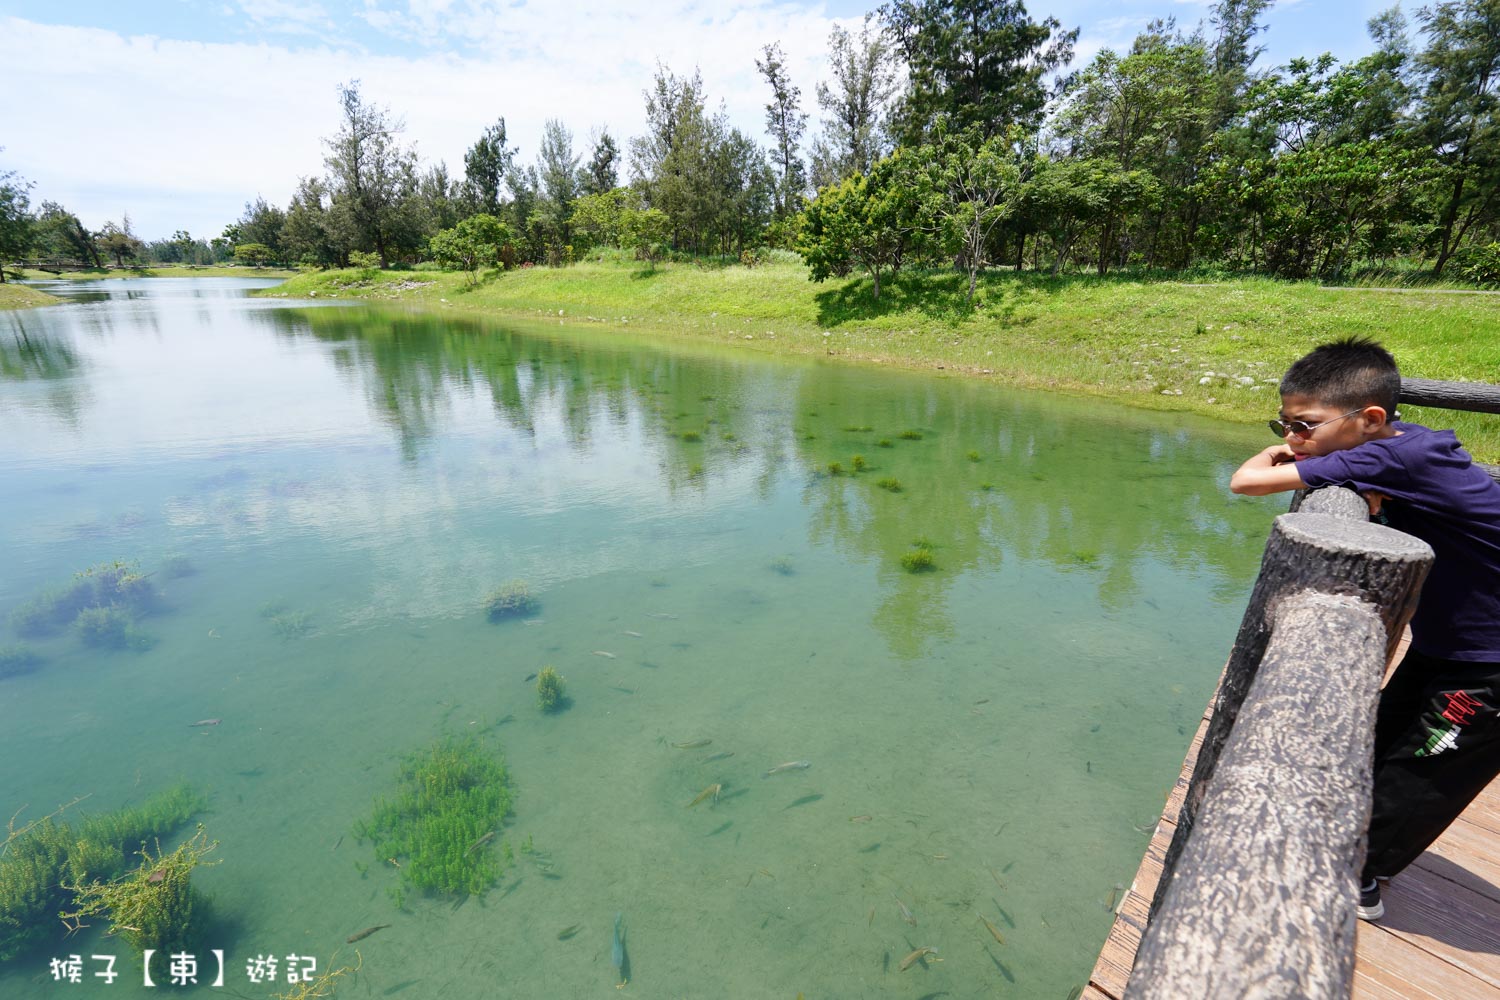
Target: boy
(1437, 728)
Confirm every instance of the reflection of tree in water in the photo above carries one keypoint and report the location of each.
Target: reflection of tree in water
(411, 365)
(1083, 488)
(35, 354)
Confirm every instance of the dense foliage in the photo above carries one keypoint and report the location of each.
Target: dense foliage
(1178, 153)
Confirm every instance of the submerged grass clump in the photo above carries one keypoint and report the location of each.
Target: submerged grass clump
(691, 437)
(292, 624)
(783, 565)
(884, 443)
(910, 435)
(890, 484)
(974, 456)
(99, 603)
(550, 688)
(835, 468)
(858, 463)
(451, 803)
(512, 600)
(16, 660)
(919, 559)
(42, 856)
(155, 906)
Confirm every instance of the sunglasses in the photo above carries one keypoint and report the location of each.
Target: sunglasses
(1301, 428)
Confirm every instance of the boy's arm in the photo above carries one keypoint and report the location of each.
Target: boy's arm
(1271, 471)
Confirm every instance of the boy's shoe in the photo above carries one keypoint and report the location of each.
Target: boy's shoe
(1370, 907)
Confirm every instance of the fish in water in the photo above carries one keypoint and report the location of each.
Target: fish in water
(617, 951)
(661, 615)
(791, 765)
(711, 792)
(160, 875)
(861, 819)
(905, 913)
(721, 755)
(480, 843)
(568, 932)
(206, 722)
(361, 935)
(633, 635)
(804, 801)
(692, 744)
(992, 928)
(529, 678)
(915, 957)
(606, 654)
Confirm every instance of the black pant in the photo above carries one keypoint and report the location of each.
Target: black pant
(1437, 745)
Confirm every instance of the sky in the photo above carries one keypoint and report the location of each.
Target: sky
(178, 112)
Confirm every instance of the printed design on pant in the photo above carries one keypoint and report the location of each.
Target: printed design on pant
(1459, 710)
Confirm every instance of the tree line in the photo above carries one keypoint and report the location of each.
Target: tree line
(954, 133)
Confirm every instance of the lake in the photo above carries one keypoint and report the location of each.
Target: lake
(987, 621)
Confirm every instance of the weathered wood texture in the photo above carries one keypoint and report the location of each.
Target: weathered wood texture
(1332, 554)
(1262, 900)
(1476, 397)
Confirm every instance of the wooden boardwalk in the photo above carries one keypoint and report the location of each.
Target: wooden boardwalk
(1439, 938)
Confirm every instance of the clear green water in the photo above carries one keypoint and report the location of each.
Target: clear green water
(1006, 721)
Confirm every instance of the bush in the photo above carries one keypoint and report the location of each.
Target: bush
(1481, 265)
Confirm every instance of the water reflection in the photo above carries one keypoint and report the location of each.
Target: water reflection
(888, 463)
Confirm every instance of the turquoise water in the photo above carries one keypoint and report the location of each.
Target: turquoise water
(347, 485)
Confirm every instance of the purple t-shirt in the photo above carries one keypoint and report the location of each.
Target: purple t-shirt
(1437, 494)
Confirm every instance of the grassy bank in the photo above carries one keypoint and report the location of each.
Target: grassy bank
(13, 296)
(161, 271)
(1210, 348)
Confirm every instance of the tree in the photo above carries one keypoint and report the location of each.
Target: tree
(599, 217)
(646, 231)
(1460, 114)
(59, 233)
(119, 242)
(982, 62)
(485, 167)
(254, 254)
(305, 235)
(440, 197)
(867, 221)
(971, 184)
(261, 223)
(15, 218)
(601, 173)
(854, 105)
(471, 244)
(557, 171)
(372, 178)
(785, 123)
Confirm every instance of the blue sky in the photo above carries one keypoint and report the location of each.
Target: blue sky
(179, 111)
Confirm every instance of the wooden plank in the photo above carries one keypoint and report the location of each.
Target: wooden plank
(1446, 920)
(1391, 968)
(1468, 855)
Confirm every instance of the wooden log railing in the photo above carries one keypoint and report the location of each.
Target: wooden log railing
(1258, 886)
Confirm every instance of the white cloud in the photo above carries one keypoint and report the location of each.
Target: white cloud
(182, 133)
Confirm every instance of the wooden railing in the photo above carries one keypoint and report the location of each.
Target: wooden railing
(1258, 886)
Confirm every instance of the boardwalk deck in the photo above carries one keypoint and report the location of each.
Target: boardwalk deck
(1439, 939)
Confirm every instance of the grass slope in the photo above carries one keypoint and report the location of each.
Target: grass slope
(13, 296)
(1215, 348)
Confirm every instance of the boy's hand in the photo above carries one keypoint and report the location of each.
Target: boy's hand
(1271, 470)
(1374, 500)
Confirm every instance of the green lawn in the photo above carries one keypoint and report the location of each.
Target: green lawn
(1214, 348)
(13, 296)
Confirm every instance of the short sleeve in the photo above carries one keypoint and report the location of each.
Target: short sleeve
(1367, 467)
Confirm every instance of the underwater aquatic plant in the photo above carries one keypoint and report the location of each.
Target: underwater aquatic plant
(42, 855)
(890, 483)
(155, 906)
(690, 436)
(549, 690)
(16, 660)
(884, 443)
(292, 624)
(910, 435)
(835, 469)
(918, 560)
(857, 463)
(175, 567)
(783, 565)
(512, 600)
(451, 802)
(104, 627)
(973, 456)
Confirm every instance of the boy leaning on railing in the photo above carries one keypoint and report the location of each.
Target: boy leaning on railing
(1437, 727)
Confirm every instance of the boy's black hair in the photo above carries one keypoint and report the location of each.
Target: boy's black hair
(1347, 374)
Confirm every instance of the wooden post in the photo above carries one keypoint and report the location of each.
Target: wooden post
(1262, 903)
(1306, 551)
